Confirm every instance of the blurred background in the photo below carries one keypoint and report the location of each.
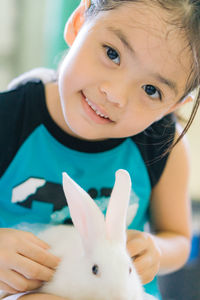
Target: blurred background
(31, 35)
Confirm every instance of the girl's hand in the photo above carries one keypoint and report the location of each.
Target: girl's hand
(145, 253)
(24, 261)
(41, 297)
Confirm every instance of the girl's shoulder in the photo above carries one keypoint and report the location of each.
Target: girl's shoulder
(19, 114)
(17, 95)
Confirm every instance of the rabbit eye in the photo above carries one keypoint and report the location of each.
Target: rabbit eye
(130, 270)
(95, 270)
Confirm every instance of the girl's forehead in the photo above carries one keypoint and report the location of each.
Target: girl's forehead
(152, 20)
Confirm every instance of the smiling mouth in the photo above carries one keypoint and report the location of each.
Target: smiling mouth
(95, 109)
(95, 112)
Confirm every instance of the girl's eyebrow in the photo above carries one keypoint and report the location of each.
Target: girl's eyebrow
(168, 82)
(122, 38)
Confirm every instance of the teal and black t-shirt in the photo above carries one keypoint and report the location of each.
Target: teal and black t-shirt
(34, 152)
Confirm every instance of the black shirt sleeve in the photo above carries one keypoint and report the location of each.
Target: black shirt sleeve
(16, 122)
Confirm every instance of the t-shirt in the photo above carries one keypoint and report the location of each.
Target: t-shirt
(34, 152)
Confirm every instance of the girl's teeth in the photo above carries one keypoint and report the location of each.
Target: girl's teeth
(96, 111)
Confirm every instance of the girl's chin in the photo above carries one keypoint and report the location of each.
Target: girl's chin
(78, 132)
(84, 134)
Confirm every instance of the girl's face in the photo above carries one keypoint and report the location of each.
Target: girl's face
(126, 69)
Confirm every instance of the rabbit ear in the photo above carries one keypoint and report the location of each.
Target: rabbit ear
(85, 214)
(118, 206)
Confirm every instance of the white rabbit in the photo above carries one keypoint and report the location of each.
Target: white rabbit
(94, 263)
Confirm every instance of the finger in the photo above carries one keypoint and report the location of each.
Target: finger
(143, 262)
(146, 268)
(136, 246)
(39, 255)
(147, 276)
(37, 241)
(19, 283)
(31, 269)
(8, 289)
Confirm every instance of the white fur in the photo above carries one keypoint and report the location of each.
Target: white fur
(44, 74)
(94, 240)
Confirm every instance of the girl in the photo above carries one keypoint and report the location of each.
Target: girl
(130, 65)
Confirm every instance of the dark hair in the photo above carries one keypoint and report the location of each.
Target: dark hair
(184, 15)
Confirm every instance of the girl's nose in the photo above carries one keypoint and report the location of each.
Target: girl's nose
(115, 95)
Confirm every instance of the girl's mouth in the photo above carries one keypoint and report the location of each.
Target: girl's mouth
(95, 112)
(95, 109)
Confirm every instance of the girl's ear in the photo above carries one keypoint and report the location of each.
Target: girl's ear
(187, 99)
(75, 22)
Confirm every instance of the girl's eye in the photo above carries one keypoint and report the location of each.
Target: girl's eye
(112, 54)
(152, 91)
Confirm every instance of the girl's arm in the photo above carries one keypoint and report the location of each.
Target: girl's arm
(170, 210)
(168, 248)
